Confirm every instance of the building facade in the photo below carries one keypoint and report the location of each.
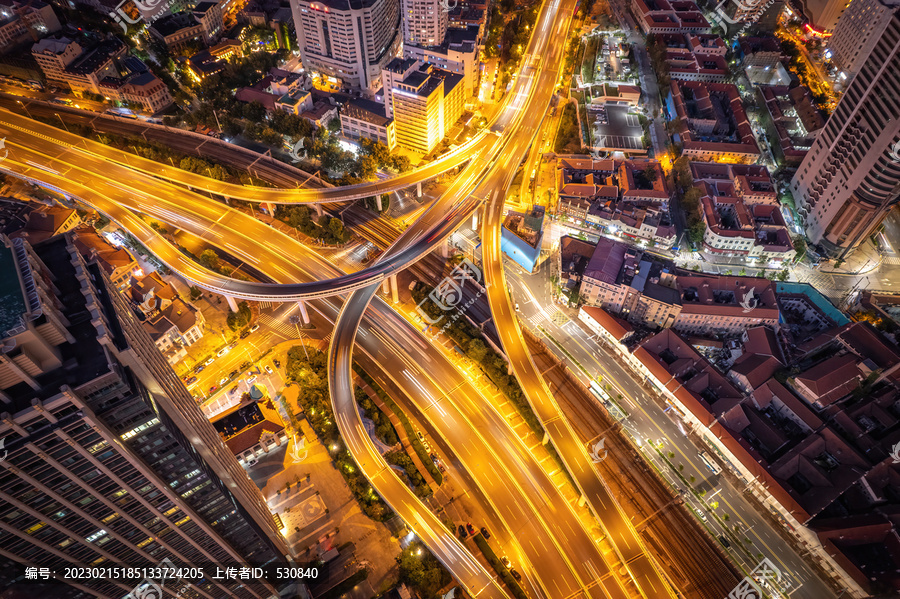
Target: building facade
(107, 458)
(850, 178)
(424, 22)
(349, 41)
(423, 101)
(857, 31)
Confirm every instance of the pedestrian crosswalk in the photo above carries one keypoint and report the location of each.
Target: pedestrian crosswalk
(263, 305)
(284, 328)
(892, 260)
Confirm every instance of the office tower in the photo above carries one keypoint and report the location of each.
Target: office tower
(850, 178)
(424, 22)
(423, 101)
(857, 31)
(106, 458)
(348, 41)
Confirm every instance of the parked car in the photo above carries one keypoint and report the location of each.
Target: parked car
(223, 380)
(191, 381)
(210, 361)
(252, 463)
(470, 528)
(462, 532)
(506, 563)
(515, 574)
(233, 374)
(277, 363)
(200, 369)
(245, 334)
(251, 380)
(724, 541)
(254, 328)
(213, 389)
(485, 533)
(222, 352)
(269, 369)
(233, 389)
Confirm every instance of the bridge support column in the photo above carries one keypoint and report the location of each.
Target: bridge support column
(303, 313)
(378, 202)
(419, 190)
(270, 208)
(232, 303)
(319, 211)
(227, 200)
(386, 286)
(546, 438)
(445, 248)
(475, 220)
(581, 501)
(395, 292)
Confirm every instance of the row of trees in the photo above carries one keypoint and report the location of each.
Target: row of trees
(311, 377)
(328, 229)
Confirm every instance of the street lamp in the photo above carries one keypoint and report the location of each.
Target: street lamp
(25, 108)
(62, 121)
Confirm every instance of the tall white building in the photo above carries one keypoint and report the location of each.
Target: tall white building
(424, 22)
(850, 178)
(859, 28)
(348, 41)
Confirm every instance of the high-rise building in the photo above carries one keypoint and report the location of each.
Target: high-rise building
(423, 101)
(850, 177)
(822, 15)
(857, 31)
(424, 22)
(348, 41)
(107, 460)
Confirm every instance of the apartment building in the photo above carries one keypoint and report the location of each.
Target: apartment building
(669, 16)
(712, 123)
(107, 458)
(365, 119)
(737, 228)
(719, 305)
(424, 22)
(54, 55)
(794, 121)
(348, 42)
(850, 178)
(423, 101)
(458, 54)
(25, 21)
(857, 31)
(104, 69)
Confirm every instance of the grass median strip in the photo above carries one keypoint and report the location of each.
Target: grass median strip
(407, 426)
(502, 571)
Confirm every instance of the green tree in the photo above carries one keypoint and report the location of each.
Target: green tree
(400, 163)
(210, 260)
(195, 293)
(241, 318)
(477, 350)
(298, 216)
(337, 228)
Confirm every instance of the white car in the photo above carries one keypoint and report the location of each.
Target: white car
(269, 369)
(251, 380)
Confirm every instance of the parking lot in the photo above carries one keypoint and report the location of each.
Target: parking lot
(619, 131)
